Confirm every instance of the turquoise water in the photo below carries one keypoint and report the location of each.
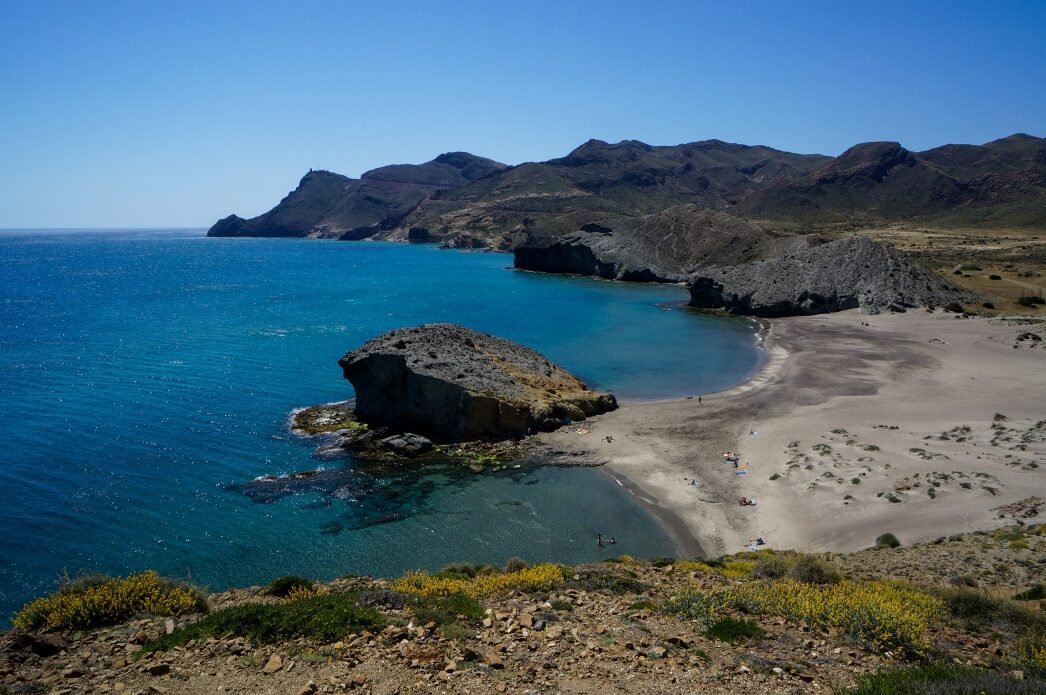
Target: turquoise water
(146, 376)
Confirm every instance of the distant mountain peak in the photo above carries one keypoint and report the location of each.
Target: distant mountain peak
(867, 161)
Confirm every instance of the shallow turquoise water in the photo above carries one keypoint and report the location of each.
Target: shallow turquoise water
(144, 373)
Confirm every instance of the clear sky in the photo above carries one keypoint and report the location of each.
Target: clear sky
(156, 113)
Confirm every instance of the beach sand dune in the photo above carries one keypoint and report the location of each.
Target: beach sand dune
(919, 424)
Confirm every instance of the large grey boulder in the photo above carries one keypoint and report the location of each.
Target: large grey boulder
(452, 383)
(849, 273)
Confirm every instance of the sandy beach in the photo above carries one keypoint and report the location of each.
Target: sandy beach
(919, 424)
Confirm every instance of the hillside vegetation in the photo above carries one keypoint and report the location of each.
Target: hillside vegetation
(885, 620)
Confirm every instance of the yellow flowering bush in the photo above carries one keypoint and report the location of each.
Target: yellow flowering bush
(1031, 650)
(737, 569)
(694, 566)
(297, 593)
(108, 601)
(880, 615)
(537, 578)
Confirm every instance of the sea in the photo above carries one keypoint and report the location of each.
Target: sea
(147, 378)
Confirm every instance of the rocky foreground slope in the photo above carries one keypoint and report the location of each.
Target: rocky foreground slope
(451, 383)
(850, 273)
(644, 628)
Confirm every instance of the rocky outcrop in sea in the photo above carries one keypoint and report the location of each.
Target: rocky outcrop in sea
(451, 384)
(849, 273)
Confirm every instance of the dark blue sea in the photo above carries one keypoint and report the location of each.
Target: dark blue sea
(146, 375)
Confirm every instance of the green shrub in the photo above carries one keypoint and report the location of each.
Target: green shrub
(515, 564)
(771, 567)
(1035, 593)
(456, 632)
(1031, 300)
(283, 586)
(887, 540)
(811, 569)
(995, 277)
(323, 618)
(444, 610)
(98, 600)
(607, 582)
(734, 630)
(976, 609)
(942, 679)
(964, 580)
(970, 266)
(953, 307)
(458, 570)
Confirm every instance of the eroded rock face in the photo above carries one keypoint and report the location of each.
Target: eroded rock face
(663, 247)
(849, 273)
(451, 383)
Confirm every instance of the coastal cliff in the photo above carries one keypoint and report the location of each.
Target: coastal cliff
(854, 272)
(330, 205)
(451, 383)
(662, 247)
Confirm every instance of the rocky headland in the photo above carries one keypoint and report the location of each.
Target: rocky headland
(332, 206)
(632, 211)
(850, 273)
(663, 247)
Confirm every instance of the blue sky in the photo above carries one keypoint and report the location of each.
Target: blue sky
(177, 113)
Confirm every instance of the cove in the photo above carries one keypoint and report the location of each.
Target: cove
(144, 375)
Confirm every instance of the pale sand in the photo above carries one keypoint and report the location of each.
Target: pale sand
(887, 392)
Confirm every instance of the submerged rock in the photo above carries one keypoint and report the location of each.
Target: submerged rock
(450, 383)
(849, 273)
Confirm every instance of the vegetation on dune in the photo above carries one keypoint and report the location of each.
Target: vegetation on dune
(321, 618)
(99, 600)
(887, 540)
(537, 578)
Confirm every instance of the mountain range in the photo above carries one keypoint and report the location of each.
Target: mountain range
(465, 200)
